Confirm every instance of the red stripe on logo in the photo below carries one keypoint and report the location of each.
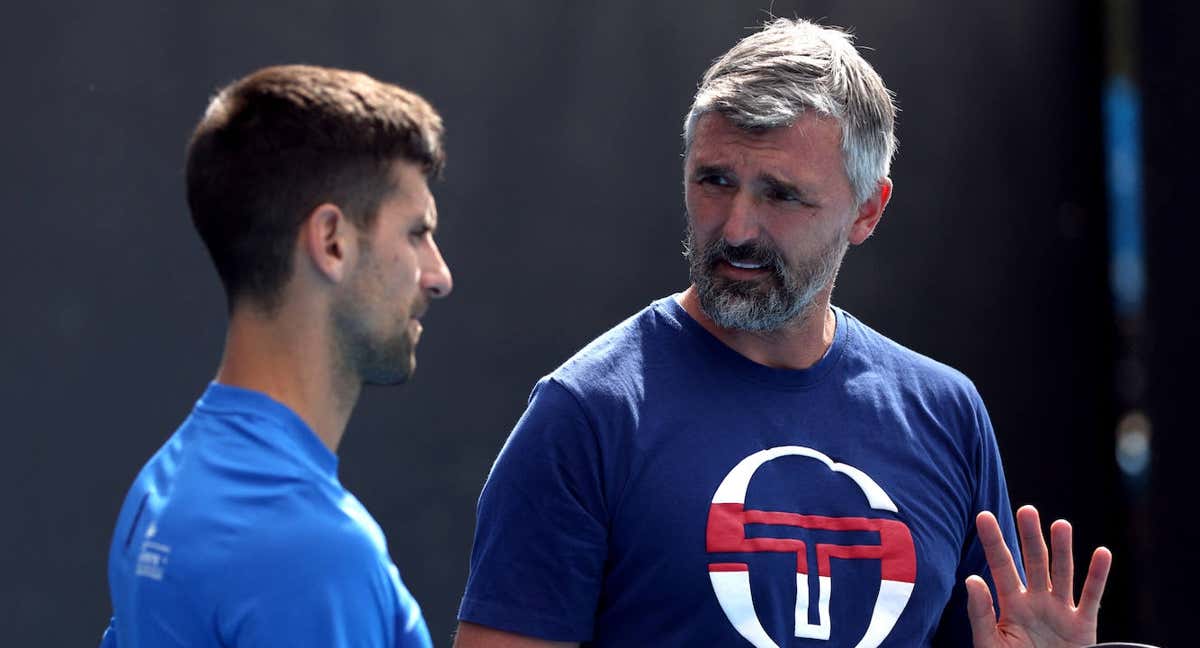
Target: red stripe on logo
(728, 567)
(895, 551)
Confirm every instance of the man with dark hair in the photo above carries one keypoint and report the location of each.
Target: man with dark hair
(743, 464)
(309, 187)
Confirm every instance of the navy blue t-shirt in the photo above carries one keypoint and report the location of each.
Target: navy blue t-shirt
(237, 532)
(663, 490)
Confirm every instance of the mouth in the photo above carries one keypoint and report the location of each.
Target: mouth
(747, 265)
(741, 270)
(414, 322)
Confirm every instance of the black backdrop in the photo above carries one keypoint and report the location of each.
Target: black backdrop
(561, 214)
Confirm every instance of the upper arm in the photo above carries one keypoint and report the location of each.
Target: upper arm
(109, 640)
(541, 534)
(320, 585)
(990, 494)
(471, 635)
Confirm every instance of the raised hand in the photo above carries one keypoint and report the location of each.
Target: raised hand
(1042, 614)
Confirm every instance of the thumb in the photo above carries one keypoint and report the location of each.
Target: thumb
(981, 613)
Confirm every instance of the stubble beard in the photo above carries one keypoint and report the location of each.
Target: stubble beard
(784, 296)
(364, 354)
(368, 357)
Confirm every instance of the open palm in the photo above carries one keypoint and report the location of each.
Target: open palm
(1044, 613)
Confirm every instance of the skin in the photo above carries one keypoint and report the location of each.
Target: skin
(1043, 612)
(787, 187)
(299, 354)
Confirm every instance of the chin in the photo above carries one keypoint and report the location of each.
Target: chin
(381, 380)
(395, 372)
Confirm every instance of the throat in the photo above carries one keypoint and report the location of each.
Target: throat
(800, 344)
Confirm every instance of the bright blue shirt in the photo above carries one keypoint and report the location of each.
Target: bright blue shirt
(237, 532)
(663, 490)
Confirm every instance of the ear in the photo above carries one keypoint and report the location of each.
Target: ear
(328, 241)
(870, 211)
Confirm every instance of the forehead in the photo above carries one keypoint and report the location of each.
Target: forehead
(812, 141)
(408, 181)
(410, 189)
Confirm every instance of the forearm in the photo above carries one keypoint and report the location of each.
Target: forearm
(471, 635)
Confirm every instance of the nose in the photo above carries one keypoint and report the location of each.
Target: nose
(436, 280)
(741, 223)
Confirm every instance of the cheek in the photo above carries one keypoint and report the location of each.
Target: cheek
(703, 212)
(402, 273)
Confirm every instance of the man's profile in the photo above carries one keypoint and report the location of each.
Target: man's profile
(309, 188)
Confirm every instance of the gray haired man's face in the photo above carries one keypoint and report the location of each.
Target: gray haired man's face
(770, 216)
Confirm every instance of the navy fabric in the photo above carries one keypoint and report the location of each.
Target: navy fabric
(237, 532)
(614, 514)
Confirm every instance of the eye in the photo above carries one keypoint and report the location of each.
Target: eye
(782, 195)
(421, 231)
(714, 179)
(785, 195)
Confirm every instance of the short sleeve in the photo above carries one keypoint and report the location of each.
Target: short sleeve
(319, 586)
(541, 530)
(991, 494)
(109, 638)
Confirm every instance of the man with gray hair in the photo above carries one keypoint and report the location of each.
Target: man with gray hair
(743, 463)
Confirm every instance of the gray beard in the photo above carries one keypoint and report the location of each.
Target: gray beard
(785, 295)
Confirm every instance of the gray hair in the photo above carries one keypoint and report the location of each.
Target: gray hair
(773, 76)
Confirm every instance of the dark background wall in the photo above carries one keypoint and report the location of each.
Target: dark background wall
(561, 215)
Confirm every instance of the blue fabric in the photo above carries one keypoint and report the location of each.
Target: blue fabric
(612, 514)
(238, 533)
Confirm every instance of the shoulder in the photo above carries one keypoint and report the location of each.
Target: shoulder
(599, 390)
(613, 365)
(326, 567)
(311, 534)
(873, 355)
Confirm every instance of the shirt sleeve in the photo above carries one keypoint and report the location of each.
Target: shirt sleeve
(319, 586)
(541, 530)
(991, 494)
(109, 639)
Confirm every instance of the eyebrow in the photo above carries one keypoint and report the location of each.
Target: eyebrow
(771, 182)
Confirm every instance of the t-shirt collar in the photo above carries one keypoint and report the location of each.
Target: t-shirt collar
(739, 365)
(299, 438)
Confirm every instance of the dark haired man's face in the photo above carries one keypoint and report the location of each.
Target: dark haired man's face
(768, 219)
(399, 270)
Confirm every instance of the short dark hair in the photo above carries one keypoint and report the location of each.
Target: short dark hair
(277, 143)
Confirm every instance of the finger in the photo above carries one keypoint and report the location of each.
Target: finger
(1062, 565)
(981, 613)
(999, 558)
(1033, 545)
(1093, 586)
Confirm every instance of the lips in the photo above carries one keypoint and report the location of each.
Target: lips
(741, 266)
(418, 311)
(747, 265)
(740, 271)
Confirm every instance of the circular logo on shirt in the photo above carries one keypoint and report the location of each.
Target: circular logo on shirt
(727, 520)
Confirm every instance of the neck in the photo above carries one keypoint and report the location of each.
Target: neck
(798, 345)
(292, 363)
